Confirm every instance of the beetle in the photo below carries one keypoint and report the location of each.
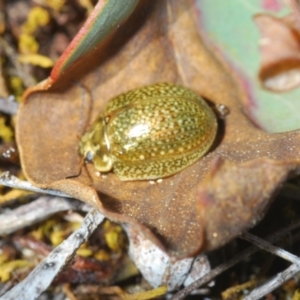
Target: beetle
(150, 132)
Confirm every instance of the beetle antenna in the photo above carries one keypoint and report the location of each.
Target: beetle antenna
(82, 165)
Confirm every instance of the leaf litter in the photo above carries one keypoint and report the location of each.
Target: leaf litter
(259, 162)
(172, 208)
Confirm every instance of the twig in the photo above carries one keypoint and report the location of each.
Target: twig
(280, 278)
(228, 264)
(41, 277)
(11, 181)
(5, 287)
(270, 248)
(36, 211)
(8, 105)
(274, 283)
(213, 273)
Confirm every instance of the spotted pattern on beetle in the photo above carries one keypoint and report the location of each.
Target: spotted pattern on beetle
(150, 132)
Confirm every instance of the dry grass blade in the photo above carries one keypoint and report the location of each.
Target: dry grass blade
(37, 211)
(42, 276)
(236, 259)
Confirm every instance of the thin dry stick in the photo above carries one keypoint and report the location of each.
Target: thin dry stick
(37, 211)
(274, 283)
(280, 278)
(11, 181)
(237, 258)
(42, 276)
(270, 248)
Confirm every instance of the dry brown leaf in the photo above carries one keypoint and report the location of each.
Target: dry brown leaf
(182, 214)
(280, 50)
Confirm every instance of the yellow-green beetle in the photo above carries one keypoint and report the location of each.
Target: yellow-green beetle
(150, 132)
